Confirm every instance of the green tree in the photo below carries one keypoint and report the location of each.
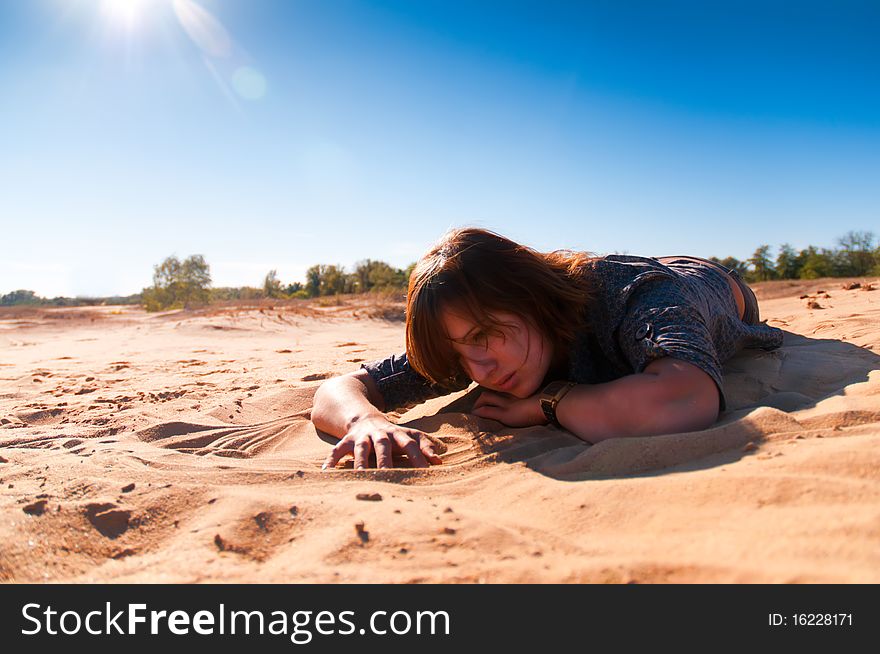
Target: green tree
(361, 275)
(856, 253)
(295, 288)
(195, 281)
(272, 285)
(815, 263)
(383, 276)
(762, 264)
(333, 280)
(313, 281)
(787, 262)
(20, 296)
(875, 270)
(371, 275)
(734, 264)
(178, 284)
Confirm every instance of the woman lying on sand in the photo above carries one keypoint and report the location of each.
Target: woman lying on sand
(604, 347)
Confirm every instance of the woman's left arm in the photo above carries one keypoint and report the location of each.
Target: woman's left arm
(669, 396)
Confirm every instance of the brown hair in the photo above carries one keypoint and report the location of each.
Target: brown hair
(479, 272)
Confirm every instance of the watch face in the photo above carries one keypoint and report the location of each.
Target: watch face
(552, 389)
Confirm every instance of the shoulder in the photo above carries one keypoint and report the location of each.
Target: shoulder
(623, 264)
(615, 277)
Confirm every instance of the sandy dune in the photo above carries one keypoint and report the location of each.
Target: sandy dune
(177, 447)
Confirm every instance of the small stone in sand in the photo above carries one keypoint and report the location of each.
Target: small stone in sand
(293, 510)
(369, 497)
(35, 508)
(128, 488)
(262, 520)
(109, 520)
(362, 533)
(812, 304)
(448, 530)
(220, 543)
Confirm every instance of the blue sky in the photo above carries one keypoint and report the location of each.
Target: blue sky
(283, 133)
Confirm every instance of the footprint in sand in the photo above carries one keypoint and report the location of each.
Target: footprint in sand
(41, 417)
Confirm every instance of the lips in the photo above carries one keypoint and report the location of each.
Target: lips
(506, 382)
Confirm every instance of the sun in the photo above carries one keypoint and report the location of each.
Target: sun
(126, 13)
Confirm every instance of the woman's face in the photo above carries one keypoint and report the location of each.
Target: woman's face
(514, 362)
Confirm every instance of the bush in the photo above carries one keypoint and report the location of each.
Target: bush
(178, 284)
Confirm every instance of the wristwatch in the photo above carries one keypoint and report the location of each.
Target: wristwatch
(551, 396)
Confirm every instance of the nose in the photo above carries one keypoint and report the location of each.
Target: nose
(482, 371)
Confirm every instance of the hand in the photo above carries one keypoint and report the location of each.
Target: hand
(385, 438)
(512, 411)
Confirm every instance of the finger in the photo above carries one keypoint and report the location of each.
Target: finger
(427, 449)
(411, 449)
(495, 400)
(480, 404)
(341, 448)
(491, 412)
(362, 451)
(487, 397)
(382, 445)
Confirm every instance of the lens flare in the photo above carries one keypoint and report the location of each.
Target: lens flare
(249, 83)
(206, 31)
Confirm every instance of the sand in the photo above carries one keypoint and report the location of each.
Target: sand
(176, 447)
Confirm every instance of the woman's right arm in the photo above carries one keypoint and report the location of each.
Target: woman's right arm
(350, 407)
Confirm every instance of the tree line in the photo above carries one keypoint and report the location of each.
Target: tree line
(178, 284)
(183, 284)
(857, 255)
(323, 279)
(23, 297)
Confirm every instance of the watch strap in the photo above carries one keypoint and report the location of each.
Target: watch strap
(550, 398)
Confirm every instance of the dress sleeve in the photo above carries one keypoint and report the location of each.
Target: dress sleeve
(663, 319)
(402, 387)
